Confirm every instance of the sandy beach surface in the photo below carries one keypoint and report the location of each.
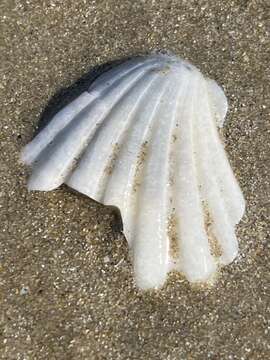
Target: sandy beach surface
(66, 283)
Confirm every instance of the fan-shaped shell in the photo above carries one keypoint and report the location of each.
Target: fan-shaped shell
(144, 138)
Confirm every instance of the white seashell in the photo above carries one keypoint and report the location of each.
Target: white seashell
(144, 138)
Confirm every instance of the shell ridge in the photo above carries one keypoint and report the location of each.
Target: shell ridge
(151, 245)
(221, 225)
(196, 260)
(33, 149)
(219, 101)
(173, 221)
(232, 194)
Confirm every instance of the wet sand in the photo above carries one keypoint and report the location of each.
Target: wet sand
(66, 284)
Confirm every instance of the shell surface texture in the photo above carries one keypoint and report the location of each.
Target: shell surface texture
(144, 138)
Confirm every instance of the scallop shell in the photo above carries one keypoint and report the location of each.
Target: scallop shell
(144, 138)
